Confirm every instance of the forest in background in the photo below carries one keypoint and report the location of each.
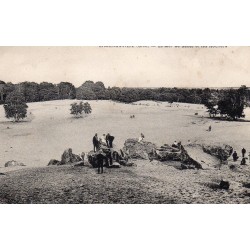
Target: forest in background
(89, 90)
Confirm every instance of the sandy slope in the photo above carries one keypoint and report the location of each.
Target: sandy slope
(148, 182)
(50, 129)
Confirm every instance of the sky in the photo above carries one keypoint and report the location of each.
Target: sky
(128, 66)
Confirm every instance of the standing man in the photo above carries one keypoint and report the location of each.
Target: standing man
(109, 140)
(235, 156)
(243, 151)
(95, 142)
(100, 162)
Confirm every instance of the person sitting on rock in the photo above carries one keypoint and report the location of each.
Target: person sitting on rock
(95, 142)
(141, 138)
(175, 144)
(235, 156)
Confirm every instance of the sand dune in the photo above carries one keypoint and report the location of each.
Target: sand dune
(50, 128)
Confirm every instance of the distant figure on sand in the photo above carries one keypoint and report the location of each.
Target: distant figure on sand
(96, 142)
(141, 138)
(243, 161)
(209, 128)
(243, 151)
(235, 156)
(109, 140)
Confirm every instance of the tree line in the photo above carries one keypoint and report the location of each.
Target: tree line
(89, 90)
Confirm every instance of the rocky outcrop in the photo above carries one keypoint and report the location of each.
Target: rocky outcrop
(112, 158)
(222, 152)
(166, 153)
(13, 164)
(138, 150)
(53, 162)
(206, 156)
(68, 157)
(193, 155)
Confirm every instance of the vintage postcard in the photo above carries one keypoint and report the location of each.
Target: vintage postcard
(125, 125)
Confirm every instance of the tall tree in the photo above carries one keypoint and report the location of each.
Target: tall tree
(15, 106)
(48, 91)
(66, 90)
(233, 103)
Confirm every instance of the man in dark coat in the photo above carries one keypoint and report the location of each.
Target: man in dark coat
(100, 162)
(96, 142)
(235, 156)
(109, 140)
(243, 151)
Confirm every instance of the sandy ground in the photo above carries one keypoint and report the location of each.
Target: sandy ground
(147, 182)
(50, 129)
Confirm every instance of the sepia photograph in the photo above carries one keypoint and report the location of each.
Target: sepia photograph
(125, 125)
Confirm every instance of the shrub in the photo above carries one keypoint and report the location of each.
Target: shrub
(15, 106)
(78, 108)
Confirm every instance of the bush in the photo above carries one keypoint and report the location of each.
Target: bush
(15, 106)
(87, 108)
(78, 108)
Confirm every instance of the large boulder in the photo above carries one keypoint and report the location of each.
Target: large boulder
(68, 157)
(205, 156)
(53, 162)
(113, 158)
(164, 155)
(194, 155)
(13, 164)
(222, 152)
(138, 150)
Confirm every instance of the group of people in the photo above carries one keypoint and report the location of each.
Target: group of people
(236, 157)
(106, 140)
(103, 146)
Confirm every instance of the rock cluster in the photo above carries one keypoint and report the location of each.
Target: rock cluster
(138, 150)
(113, 158)
(13, 164)
(190, 156)
(222, 152)
(68, 158)
(199, 156)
